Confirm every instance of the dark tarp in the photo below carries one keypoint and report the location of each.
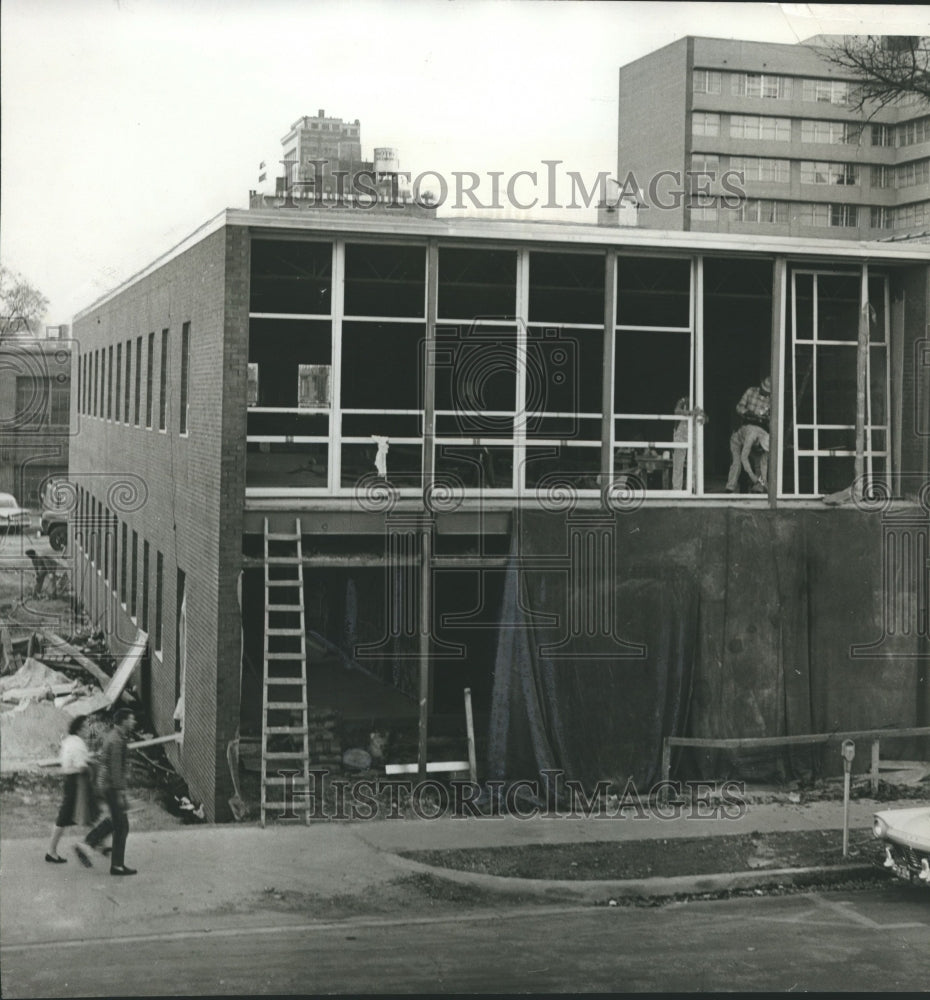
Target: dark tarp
(750, 619)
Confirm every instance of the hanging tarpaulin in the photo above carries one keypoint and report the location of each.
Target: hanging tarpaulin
(593, 666)
(182, 662)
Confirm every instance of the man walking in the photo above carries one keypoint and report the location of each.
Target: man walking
(111, 782)
(45, 566)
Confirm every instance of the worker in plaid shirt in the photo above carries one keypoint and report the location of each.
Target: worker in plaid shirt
(756, 404)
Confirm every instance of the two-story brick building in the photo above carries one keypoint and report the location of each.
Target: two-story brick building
(494, 439)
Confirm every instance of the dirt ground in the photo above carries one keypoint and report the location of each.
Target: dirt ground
(670, 857)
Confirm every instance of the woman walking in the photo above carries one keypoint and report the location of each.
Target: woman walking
(78, 804)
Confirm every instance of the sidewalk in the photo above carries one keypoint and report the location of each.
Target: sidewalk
(215, 877)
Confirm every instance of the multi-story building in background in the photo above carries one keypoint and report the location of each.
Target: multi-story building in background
(35, 392)
(782, 117)
(322, 166)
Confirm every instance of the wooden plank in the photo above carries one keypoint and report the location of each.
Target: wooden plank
(64, 646)
(432, 767)
(470, 733)
(809, 738)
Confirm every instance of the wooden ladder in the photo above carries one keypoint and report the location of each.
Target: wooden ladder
(285, 724)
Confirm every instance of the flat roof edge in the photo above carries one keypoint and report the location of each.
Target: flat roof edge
(498, 231)
(200, 233)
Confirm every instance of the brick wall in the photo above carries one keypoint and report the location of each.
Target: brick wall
(188, 491)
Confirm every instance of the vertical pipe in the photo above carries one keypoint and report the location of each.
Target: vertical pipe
(876, 756)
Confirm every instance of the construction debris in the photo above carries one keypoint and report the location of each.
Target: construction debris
(63, 646)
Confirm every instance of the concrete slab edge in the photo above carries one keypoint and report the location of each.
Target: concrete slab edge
(656, 887)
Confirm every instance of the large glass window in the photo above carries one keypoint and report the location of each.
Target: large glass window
(291, 276)
(653, 439)
(820, 410)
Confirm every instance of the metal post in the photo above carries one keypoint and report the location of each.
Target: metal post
(470, 730)
(876, 752)
(849, 752)
(424, 629)
(666, 769)
(862, 359)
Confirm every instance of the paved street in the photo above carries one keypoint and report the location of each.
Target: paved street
(871, 940)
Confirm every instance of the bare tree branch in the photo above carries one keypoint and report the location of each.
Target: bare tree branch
(22, 307)
(888, 69)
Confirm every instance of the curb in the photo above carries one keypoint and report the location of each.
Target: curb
(655, 887)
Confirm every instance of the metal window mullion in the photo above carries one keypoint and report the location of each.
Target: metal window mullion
(522, 365)
(429, 369)
(607, 382)
(695, 457)
(888, 413)
(335, 415)
(794, 376)
(815, 297)
(777, 419)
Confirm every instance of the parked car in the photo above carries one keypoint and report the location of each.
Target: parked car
(906, 837)
(55, 525)
(12, 516)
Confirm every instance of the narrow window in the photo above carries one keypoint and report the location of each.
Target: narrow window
(134, 577)
(119, 379)
(138, 379)
(185, 373)
(126, 393)
(163, 383)
(123, 563)
(145, 586)
(159, 595)
(110, 382)
(149, 376)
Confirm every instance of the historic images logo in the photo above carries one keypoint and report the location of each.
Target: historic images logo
(552, 797)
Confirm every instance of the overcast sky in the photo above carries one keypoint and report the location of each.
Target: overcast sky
(128, 123)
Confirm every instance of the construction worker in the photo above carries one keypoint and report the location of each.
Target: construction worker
(45, 566)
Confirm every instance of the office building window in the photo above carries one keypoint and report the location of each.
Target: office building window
(844, 215)
(883, 135)
(817, 172)
(706, 81)
(704, 213)
(881, 217)
(915, 132)
(762, 210)
(185, 374)
(149, 380)
(913, 173)
(705, 123)
(829, 132)
(882, 177)
(163, 383)
(761, 127)
(761, 168)
(826, 91)
(917, 214)
(760, 85)
(705, 163)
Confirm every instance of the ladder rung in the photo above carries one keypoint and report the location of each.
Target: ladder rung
(297, 779)
(282, 754)
(284, 656)
(276, 681)
(282, 561)
(293, 583)
(277, 536)
(287, 730)
(284, 631)
(295, 608)
(277, 705)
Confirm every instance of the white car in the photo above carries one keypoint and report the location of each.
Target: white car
(906, 837)
(12, 516)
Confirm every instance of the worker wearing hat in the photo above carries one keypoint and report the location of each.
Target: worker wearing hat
(755, 405)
